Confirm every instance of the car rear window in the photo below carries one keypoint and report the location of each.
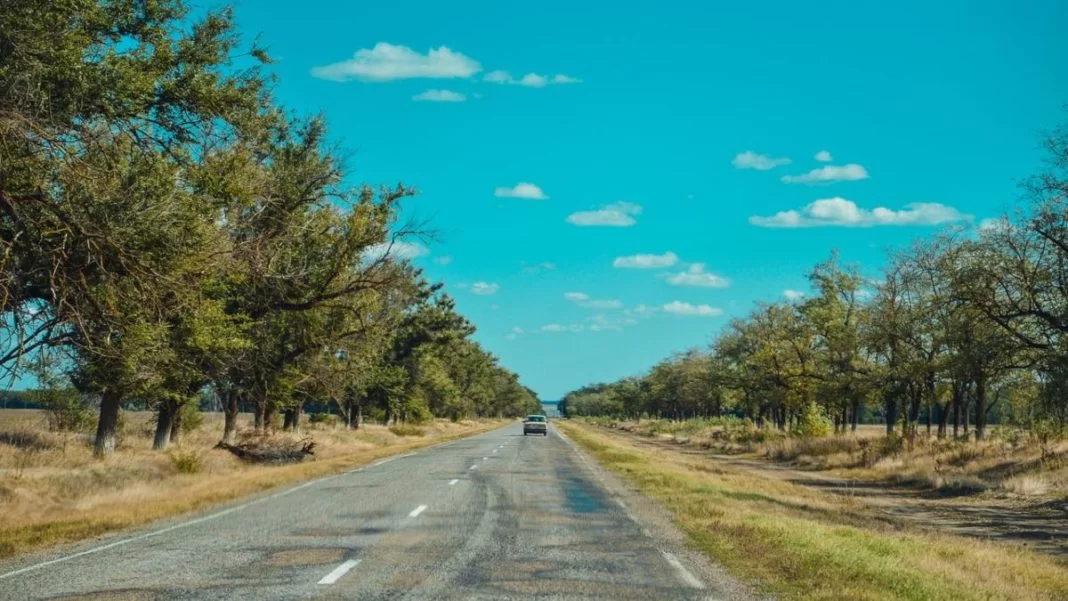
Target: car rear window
(535, 418)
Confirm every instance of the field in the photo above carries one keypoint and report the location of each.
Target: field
(52, 490)
(782, 529)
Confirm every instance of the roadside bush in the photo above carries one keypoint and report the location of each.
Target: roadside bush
(326, 419)
(187, 462)
(812, 423)
(66, 410)
(406, 430)
(191, 417)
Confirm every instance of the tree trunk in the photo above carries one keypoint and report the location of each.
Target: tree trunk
(930, 418)
(261, 409)
(164, 420)
(856, 409)
(943, 419)
(176, 425)
(958, 399)
(890, 405)
(980, 407)
(288, 418)
(268, 416)
(231, 410)
(108, 423)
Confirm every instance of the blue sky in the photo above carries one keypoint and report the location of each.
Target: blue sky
(687, 132)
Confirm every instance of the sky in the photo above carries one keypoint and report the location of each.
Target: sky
(610, 183)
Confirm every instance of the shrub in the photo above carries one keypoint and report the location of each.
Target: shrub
(406, 430)
(328, 419)
(812, 423)
(189, 462)
(191, 417)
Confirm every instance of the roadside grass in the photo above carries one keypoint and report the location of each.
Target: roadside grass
(804, 544)
(53, 491)
(1009, 463)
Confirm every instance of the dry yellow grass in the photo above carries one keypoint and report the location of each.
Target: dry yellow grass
(52, 490)
(801, 543)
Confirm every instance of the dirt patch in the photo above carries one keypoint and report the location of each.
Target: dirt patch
(1041, 527)
(304, 557)
(112, 595)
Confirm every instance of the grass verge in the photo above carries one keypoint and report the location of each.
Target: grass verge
(803, 544)
(55, 492)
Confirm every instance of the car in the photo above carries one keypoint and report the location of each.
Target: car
(536, 424)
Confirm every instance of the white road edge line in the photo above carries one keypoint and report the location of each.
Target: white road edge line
(685, 574)
(485, 458)
(339, 571)
(415, 512)
(453, 481)
(206, 518)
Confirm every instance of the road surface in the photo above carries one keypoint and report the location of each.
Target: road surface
(493, 516)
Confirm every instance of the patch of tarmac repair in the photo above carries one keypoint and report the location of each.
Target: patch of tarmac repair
(305, 557)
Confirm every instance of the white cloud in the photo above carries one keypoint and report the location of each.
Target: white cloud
(696, 275)
(517, 330)
(793, 295)
(829, 174)
(439, 96)
(760, 162)
(521, 190)
(538, 267)
(646, 261)
(397, 249)
(530, 80)
(511, 336)
(824, 156)
(555, 327)
(841, 212)
(533, 80)
(443, 260)
(681, 308)
(619, 214)
(485, 288)
(498, 76)
(640, 311)
(583, 300)
(387, 62)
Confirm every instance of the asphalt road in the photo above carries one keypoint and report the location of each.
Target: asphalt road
(493, 516)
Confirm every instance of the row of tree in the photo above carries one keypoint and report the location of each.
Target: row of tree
(166, 227)
(957, 325)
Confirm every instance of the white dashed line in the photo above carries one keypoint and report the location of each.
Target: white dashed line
(339, 571)
(473, 467)
(687, 577)
(453, 481)
(485, 458)
(415, 512)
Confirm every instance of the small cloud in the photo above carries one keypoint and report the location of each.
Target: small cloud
(539, 267)
(829, 175)
(793, 295)
(485, 288)
(510, 336)
(560, 78)
(387, 62)
(533, 80)
(760, 162)
(824, 156)
(696, 275)
(841, 212)
(439, 96)
(646, 261)
(443, 260)
(583, 300)
(681, 308)
(517, 330)
(498, 76)
(619, 214)
(555, 327)
(521, 190)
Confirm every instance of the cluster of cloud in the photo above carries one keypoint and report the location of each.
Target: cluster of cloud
(617, 214)
(681, 308)
(760, 162)
(397, 249)
(525, 190)
(388, 62)
(538, 267)
(443, 260)
(391, 62)
(646, 261)
(793, 295)
(485, 288)
(840, 212)
(695, 275)
(829, 174)
(530, 80)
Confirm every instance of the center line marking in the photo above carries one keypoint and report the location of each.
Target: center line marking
(339, 571)
(472, 467)
(453, 481)
(485, 458)
(417, 511)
